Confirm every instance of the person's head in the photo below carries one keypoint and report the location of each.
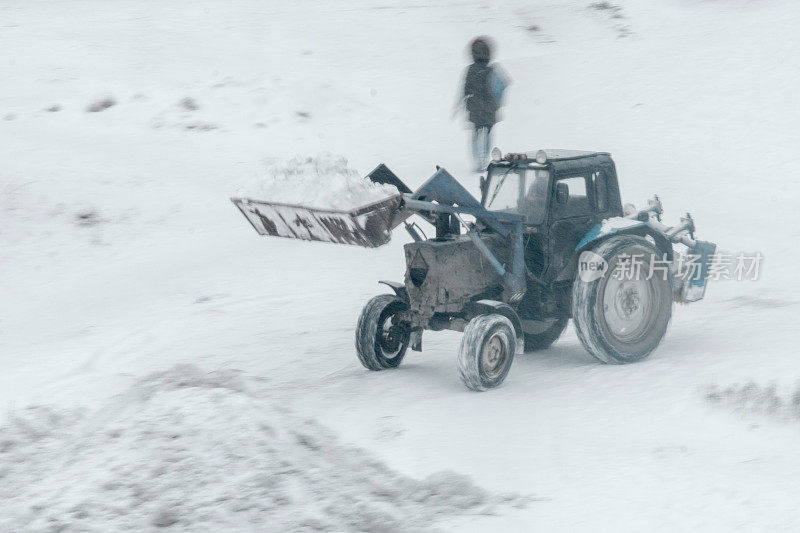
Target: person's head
(481, 50)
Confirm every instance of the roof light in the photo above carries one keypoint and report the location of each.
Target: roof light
(516, 157)
(497, 155)
(541, 157)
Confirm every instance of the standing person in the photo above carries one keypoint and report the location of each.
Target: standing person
(483, 91)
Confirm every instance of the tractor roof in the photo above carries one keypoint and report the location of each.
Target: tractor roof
(565, 159)
(558, 154)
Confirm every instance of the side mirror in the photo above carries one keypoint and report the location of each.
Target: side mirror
(562, 193)
(484, 184)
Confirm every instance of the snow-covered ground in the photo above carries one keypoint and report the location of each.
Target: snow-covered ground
(121, 257)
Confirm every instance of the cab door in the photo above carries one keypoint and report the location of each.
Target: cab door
(572, 214)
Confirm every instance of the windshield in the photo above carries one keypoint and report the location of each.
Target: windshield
(518, 190)
(504, 189)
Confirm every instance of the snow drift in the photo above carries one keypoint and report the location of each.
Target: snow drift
(204, 451)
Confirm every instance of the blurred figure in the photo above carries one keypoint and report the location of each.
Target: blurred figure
(484, 85)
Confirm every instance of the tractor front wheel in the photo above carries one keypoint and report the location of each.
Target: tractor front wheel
(381, 339)
(486, 352)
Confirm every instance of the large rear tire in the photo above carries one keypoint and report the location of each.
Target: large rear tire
(381, 340)
(486, 352)
(623, 320)
(545, 334)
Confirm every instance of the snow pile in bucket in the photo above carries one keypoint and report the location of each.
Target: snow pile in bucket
(204, 452)
(325, 181)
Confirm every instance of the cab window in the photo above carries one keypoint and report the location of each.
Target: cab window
(577, 201)
(534, 204)
(504, 190)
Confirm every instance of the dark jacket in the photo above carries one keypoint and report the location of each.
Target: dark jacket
(480, 102)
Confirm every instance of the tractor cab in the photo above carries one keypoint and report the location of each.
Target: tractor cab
(561, 195)
(565, 182)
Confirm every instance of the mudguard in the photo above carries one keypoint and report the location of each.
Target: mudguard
(398, 288)
(609, 226)
(615, 225)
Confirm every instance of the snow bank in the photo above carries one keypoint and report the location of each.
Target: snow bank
(324, 181)
(205, 451)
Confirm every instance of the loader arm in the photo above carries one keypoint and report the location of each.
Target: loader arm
(371, 225)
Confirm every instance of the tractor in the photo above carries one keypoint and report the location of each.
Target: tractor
(549, 240)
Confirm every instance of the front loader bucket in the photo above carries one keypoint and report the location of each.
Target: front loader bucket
(369, 226)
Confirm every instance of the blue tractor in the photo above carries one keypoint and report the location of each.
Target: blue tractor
(549, 240)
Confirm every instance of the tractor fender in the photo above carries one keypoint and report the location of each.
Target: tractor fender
(623, 226)
(488, 307)
(398, 288)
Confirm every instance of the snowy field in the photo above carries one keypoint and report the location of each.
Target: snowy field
(165, 367)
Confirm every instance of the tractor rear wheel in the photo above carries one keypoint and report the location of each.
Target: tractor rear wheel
(382, 340)
(486, 351)
(546, 333)
(622, 315)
